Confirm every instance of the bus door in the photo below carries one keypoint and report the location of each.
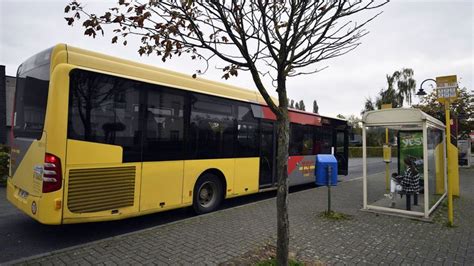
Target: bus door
(267, 154)
(341, 151)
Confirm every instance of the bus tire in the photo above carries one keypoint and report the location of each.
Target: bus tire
(208, 194)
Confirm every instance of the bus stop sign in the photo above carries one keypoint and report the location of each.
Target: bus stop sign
(446, 88)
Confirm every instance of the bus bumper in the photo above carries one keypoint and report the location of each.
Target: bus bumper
(43, 209)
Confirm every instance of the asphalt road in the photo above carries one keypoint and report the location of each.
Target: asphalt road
(21, 236)
(374, 165)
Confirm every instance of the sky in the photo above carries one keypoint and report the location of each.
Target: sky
(433, 37)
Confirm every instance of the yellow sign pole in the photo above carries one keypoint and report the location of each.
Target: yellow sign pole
(447, 90)
(387, 164)
(450, 179)
(386, 156)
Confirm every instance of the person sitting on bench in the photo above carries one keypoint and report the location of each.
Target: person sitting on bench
(410, 181)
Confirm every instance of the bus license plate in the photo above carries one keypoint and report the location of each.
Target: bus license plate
(23, 194)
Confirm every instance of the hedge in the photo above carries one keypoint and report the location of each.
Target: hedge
(4, 156)
(356, 152)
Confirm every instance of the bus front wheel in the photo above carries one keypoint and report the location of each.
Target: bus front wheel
(207, 194)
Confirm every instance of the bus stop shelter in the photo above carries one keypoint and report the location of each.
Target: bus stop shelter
(403, 133)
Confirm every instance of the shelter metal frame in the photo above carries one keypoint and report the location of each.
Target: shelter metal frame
(404, 119)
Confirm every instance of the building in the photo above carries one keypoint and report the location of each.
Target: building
(7, 95)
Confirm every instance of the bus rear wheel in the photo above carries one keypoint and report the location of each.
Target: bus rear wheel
(208, 194)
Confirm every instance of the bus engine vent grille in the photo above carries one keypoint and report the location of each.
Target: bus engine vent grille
(100, 189)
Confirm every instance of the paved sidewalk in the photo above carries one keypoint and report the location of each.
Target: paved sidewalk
(222, 236)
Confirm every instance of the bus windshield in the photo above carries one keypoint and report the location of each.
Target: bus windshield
(31, 96)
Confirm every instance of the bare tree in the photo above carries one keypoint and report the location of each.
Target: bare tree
(302, 106)
(278, 39)
(315, 107)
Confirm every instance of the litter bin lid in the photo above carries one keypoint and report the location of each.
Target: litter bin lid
(326, 158)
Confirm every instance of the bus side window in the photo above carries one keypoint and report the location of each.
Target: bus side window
(212, 131)
(326, 140)
(164, 126)
(340, 142)
(301, 140)
(101, 110)
(247, 133)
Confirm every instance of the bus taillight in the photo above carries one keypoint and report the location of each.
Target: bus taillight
(52, 177)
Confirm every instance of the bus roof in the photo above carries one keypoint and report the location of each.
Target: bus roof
(129, 69)
(309, 113)
(143, 72)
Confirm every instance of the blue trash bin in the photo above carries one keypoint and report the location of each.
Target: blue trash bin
(323, 163)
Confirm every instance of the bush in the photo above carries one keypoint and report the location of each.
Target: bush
(4, 157)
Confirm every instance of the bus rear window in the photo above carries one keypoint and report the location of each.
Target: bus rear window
(31, 96)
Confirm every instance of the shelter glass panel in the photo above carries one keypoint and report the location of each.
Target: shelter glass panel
(394, 168)
(436, 165)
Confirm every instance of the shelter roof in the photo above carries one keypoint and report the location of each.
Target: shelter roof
(399, 117)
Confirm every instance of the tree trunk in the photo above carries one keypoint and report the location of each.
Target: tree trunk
(282, 194)
(283, 135)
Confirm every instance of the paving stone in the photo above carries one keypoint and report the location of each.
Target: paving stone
(366, 238)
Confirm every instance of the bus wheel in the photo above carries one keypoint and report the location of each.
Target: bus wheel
(207, 194)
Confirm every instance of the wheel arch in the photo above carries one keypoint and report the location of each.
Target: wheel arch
(218, 173)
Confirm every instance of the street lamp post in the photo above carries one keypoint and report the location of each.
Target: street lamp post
(422, 92)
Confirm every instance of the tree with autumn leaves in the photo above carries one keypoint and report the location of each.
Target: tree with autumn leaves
(462, 110)
(273, 40)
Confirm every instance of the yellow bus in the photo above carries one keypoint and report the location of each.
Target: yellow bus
(98, 138)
